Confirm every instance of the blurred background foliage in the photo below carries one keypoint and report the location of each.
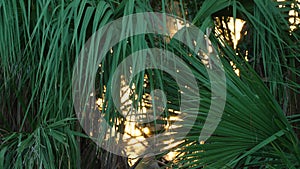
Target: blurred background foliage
(41, 39)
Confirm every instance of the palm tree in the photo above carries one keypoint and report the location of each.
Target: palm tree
(41, 40)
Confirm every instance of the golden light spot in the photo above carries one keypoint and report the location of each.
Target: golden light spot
(177, 112)
(237, 72)
(99, 102)
(171, 156)
(235, 29)
(146, 130)
(144, 110)
(195, 43)
(174, 118)
(131, 129)
(133, 86)
(294, 19)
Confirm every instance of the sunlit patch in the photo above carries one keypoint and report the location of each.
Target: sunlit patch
(99, 102)
(132, 130)
(235, 29)
(171, 156)
(132, 161)
(236, 70)
(294, 19)
(146, 130)
(281, 6)
(174, 118)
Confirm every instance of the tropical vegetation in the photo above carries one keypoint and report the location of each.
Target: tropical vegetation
(41, 40)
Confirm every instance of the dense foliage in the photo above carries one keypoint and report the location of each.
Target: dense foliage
(40, 41)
